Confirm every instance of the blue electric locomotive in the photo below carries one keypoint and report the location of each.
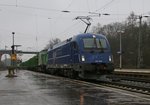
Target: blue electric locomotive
(86, 56)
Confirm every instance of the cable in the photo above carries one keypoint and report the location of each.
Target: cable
(68, 29)
(9, 5)
(38, 8)
(16, 3)
(88, 5)
(105, 5)
(30, 7)
(69, 4)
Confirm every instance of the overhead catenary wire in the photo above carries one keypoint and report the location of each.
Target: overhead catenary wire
(64, 10)
(104, 6)
(16, 3)
(39, 8)
(68, 28)
(30, 7)
(57, 10)
(88, 5)
(49, 9)
(69, 4)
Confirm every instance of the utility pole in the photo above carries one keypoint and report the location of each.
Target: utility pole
(140, 43)
(140, 47)
(120, 51)
(13, 48)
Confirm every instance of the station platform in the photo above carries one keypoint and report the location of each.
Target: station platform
(133, 70)
(30, 88)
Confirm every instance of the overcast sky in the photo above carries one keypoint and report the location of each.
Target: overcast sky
(35, 22)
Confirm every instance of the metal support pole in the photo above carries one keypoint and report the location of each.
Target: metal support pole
(120, 51)
(140, 53)
(5, 57)
(11, 72)
(13, 38)
(13, 52)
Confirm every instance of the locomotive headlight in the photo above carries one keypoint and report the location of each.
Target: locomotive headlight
(82, 58)
(110, 59)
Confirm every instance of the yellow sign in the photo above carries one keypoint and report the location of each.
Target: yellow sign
(13, 56)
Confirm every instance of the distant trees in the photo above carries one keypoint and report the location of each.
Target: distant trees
(52, 42)
(130, 34)
(33, 62)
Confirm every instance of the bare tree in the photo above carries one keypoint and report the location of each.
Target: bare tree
(109, 29)
(52, 42)
(131, 20)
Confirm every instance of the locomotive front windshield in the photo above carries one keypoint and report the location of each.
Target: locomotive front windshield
(96, 43)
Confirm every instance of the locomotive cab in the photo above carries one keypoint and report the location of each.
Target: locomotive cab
(95, 56)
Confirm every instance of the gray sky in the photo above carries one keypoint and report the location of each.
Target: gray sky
(29, 19)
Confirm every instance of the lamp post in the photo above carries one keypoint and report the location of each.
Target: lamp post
(120, 51)
(120, 46)
(13, 52)
(13, 37)
(140, 43)
(11, 72)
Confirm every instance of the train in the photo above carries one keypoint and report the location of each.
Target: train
(86, 56)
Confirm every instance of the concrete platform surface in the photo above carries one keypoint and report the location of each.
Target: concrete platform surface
(134, 70)
(31, 88)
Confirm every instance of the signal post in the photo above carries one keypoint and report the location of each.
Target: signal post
(11, 72)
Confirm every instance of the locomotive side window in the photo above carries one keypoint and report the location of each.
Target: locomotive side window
(58, 52)
(54, 54)
(74, 45)
(94, 43)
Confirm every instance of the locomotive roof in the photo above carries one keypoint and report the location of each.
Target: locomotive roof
(75, 37)
(89, 35)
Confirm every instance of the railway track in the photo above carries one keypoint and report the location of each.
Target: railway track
(132, 86)
(135, 82)
(140, 74)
